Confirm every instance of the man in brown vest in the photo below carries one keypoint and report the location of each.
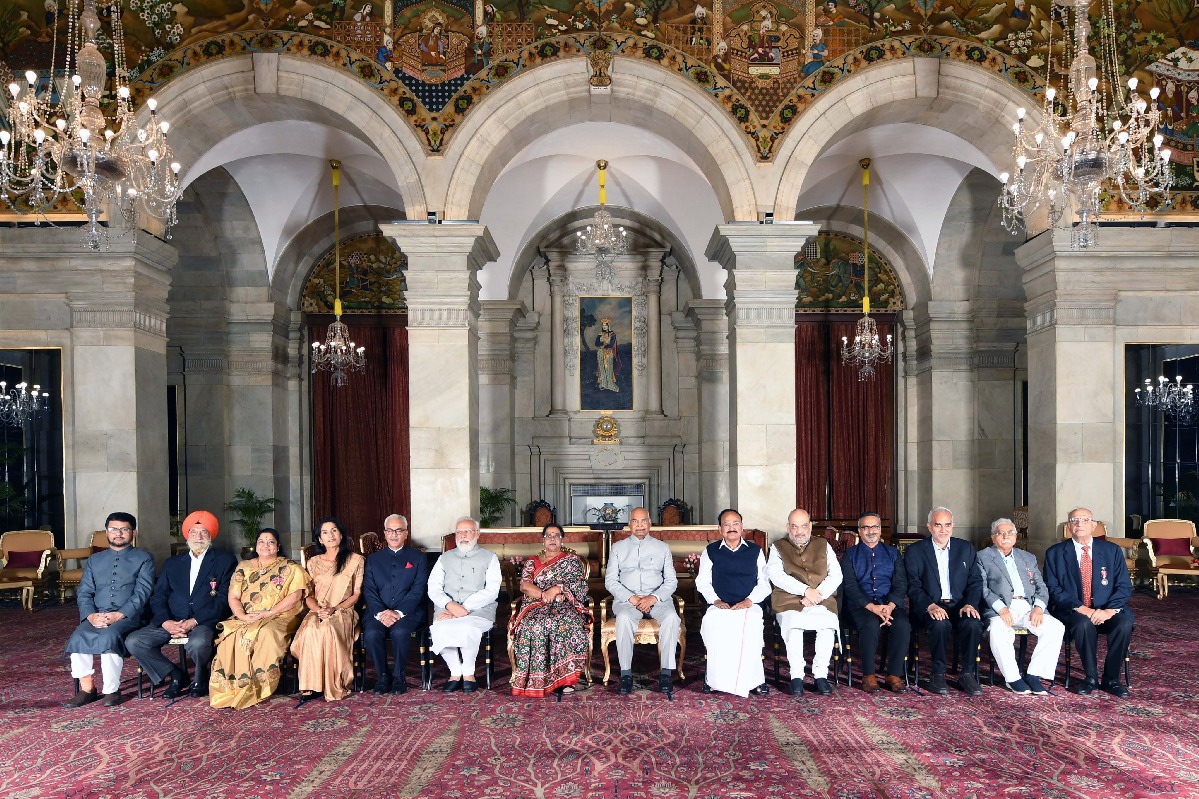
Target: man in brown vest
(805, 576)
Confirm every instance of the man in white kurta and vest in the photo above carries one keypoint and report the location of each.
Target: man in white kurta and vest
(113, 592)
(641, 579)
(732, 578)
(464, 585)
(806, 576)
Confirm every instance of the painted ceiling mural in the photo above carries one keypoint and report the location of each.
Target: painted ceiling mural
(372, 278)
(763, 61)
(830, 276)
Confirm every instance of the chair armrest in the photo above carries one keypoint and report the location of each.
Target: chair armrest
(605, 607)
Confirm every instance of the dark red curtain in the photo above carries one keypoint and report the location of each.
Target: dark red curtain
(845, 428)
(360, 446)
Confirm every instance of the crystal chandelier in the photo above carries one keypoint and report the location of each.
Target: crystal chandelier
(19, 405)
(57, 146)
(337, 354)
(601, 238)
(1173, 399)
(866, 351)
(1094, 139)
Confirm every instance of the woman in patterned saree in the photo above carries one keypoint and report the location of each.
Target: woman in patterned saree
(550, 646)
(323, 643)
(264, 596)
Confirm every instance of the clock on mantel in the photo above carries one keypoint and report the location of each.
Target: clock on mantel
(607, 429)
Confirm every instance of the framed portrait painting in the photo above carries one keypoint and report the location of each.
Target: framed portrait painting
(606, 353)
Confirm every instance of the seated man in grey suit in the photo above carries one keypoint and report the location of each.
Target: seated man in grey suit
(642, 582)
(1015, 598)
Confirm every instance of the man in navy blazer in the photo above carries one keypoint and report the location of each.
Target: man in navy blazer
(190, 596)
(394, 586)
(1101, 609)
(945, 590)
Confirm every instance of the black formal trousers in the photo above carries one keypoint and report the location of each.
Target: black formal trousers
(375, 635)
(1085, 636)
(966, 630)
(869, 627)
(146, 646)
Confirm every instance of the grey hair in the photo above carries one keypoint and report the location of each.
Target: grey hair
(1001, 520)
(399, 516)
(1080, 507)
(939, 509)
(473, 522)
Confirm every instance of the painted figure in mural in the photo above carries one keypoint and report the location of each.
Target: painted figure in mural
(433, 46)
(482, 50)
(720, 58)
(1020, 11)
(830, 17)
(607, 361)
(490, 14)
(699, 27)
(762, 49)
(816, 53)
(383, 55)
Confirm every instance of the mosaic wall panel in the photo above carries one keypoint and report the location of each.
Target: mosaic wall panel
(372, 278)
(829, 276)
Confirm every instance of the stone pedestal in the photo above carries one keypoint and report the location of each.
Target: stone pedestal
(760, 260)
(443, 376)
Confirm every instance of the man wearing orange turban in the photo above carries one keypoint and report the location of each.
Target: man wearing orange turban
(190, 597)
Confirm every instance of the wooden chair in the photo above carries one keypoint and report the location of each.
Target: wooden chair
(646, 633)
(70, 578)
(674, 512)
(1172, 551)
(25, 554)
(1131, 546)
(370, 543)
(540, 513)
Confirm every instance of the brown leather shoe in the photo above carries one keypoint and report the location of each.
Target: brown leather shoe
(870, 684)
(895, 684)
(81, 698)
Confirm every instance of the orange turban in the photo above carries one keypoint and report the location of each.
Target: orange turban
(202, 518)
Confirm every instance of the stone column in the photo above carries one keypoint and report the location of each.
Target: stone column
(556, 264)
(107, 311)
(760, 260)
(653, 314)
(497, 386)
(443, 376)
(712, 377)
(1135, 286)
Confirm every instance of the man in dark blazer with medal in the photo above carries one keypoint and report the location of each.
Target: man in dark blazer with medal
(1091, 606)
(945, 590)
(190, 597)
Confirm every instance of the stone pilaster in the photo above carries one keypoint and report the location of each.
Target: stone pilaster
(760, 260)
(497, 388)
(556, 266)
(712, 389)
(653, 314)
(443, 369)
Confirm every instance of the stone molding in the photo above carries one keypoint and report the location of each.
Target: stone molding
(495, 365)
(1072, 315)
(762, 314)
(234, 366)
(119, 319)
(713, 362)
(961, 361)
(460, 318)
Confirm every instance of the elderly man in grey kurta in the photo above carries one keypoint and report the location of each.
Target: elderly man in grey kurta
(113, 591)
(641, 580)
(464, 585)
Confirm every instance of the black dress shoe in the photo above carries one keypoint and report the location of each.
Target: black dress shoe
(797, 686)
(197, 690)
(666, 684)
(707, 689)
(1087, 687)
(823, 688)
(470, 686)
(761, 690)
(383, 685)
(937, 685)
(1116, 689)
(626, 684)
(113, 699)
(81, 698)
(174, 689)
(399, 686)
(969, 685)
(451, 686)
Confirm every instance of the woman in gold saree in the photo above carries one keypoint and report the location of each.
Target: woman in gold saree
(323, 643)
(264, 595)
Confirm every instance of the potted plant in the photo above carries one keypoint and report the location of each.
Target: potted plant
(493, 503)
(251, 510)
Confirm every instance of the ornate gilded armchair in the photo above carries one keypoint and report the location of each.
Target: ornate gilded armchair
(25, 555)
(1172, 551)
(70, 578)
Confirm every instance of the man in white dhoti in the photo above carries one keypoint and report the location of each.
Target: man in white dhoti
(1016, 597)
(806, 576)
(732, 578)
(464, 585)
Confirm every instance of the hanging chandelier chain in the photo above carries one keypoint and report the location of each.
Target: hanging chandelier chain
(867, 351)
(601, 238)
(338, 354)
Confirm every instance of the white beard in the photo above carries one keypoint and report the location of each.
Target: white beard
(199, 549)
(466, 546)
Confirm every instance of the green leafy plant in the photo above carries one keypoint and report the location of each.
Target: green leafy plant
(252, 509)
(493, 502)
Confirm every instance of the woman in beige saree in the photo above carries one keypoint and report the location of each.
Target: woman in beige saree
(323, 644)
(264, 595)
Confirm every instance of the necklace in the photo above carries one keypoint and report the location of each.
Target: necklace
(263, 569)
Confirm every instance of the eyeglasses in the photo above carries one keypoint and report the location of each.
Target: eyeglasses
(1004, 533)
(552, 535)
(119, 529)
(1078, 521)
(395, 529)
(871, 527)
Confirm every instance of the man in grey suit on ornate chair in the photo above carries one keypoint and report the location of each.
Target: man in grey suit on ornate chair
(1015, 598)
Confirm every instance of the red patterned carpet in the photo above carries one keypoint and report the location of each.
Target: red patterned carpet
(597, 744)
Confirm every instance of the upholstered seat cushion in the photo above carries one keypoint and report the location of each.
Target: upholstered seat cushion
(1163, 547)
(23, 560)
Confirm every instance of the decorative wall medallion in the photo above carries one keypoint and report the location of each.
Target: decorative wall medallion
(606, 458)
(607, 431)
